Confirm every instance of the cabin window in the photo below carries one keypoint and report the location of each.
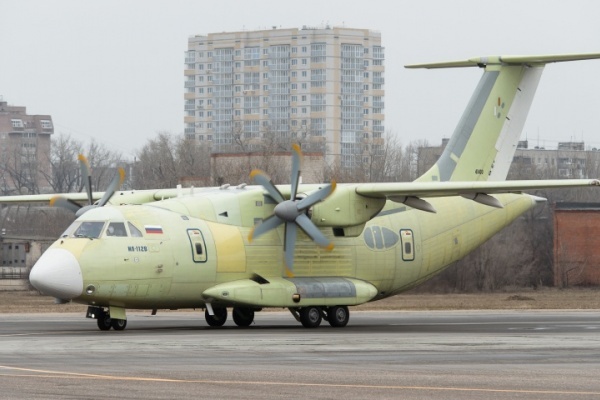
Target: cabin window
(135, 232)
(116, 229)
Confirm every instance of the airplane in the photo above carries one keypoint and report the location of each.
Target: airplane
(314, 249)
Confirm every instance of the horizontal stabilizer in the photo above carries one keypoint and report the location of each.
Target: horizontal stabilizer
(508, 60)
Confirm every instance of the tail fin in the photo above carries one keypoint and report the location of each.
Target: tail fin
(484, 142)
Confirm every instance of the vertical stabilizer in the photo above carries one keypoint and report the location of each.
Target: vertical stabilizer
(484, 142)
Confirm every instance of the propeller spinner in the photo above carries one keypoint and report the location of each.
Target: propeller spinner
(115, 184)
(292, 212)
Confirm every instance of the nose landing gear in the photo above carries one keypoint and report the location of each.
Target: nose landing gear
(104, 320)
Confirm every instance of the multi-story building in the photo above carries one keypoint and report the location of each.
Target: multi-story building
(570, 160)
(323, 87)
(24, 150)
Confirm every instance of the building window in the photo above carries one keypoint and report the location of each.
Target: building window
(16, 123)
(46, 124)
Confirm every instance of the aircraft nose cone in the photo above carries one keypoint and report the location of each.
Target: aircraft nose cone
(57, 273)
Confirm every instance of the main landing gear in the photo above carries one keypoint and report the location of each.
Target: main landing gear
(309, 317)
(312, 316)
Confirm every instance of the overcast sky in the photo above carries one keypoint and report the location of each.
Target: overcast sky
(113, 70)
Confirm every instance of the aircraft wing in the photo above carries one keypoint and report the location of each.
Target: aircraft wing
(412, 193)
(444, 189)
(121, 197)
(45, 198)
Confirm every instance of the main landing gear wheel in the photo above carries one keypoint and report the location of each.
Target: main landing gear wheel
(338, 316)
(310, 317)
(118, 324)
(104, 322)
(242, 316)
(218, 319)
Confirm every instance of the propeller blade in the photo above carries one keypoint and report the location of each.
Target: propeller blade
(263, 179)
(315, 197)
(59, 201)
(296, 159)
(289, 246)
(270, 223)
(114, 185)
(313, 232)
(86, 176)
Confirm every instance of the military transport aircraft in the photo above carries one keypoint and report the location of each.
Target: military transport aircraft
(314, 249)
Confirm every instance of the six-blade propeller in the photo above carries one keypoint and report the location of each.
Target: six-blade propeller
(292, 212)
(86, 176)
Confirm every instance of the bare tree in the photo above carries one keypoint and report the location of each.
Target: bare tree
(165, 160)
(64, 175)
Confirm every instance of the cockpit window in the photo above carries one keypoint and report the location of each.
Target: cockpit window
(116, 229)
(89, 229)
(69, 231)
(135, 232)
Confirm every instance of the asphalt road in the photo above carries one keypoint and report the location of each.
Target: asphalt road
(409, 355)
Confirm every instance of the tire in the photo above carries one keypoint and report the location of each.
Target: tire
(218, 319)
(338, 316)
(242, 316)
(310, 317)
(119, 324)
(104, 322)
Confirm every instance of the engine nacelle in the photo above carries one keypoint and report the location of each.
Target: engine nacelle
(345, 208)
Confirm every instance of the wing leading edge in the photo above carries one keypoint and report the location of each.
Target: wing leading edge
(411, 193)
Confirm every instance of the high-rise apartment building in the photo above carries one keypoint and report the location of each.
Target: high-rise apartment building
(321, 86)
(24, 150)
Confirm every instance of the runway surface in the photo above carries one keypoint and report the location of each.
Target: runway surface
(383, 355)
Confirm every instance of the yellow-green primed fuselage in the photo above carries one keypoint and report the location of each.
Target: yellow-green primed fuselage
(185, 252)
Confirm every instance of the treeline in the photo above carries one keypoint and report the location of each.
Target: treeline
(520, 256)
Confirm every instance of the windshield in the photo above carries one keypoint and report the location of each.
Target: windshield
(89, 229)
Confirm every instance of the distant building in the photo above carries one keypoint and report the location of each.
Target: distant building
(324, 86)
(24, 150)
(569, 161)
(576, 244)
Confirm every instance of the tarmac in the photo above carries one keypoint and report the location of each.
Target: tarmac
(382, 355)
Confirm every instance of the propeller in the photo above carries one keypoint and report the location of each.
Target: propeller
(115, 184)
(292, 212)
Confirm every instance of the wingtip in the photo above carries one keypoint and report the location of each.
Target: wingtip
(329, 247)
(53, 201)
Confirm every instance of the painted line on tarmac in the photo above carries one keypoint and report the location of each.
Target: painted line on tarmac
(48, 374)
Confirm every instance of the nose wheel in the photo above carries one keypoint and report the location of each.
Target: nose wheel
(104, 321)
